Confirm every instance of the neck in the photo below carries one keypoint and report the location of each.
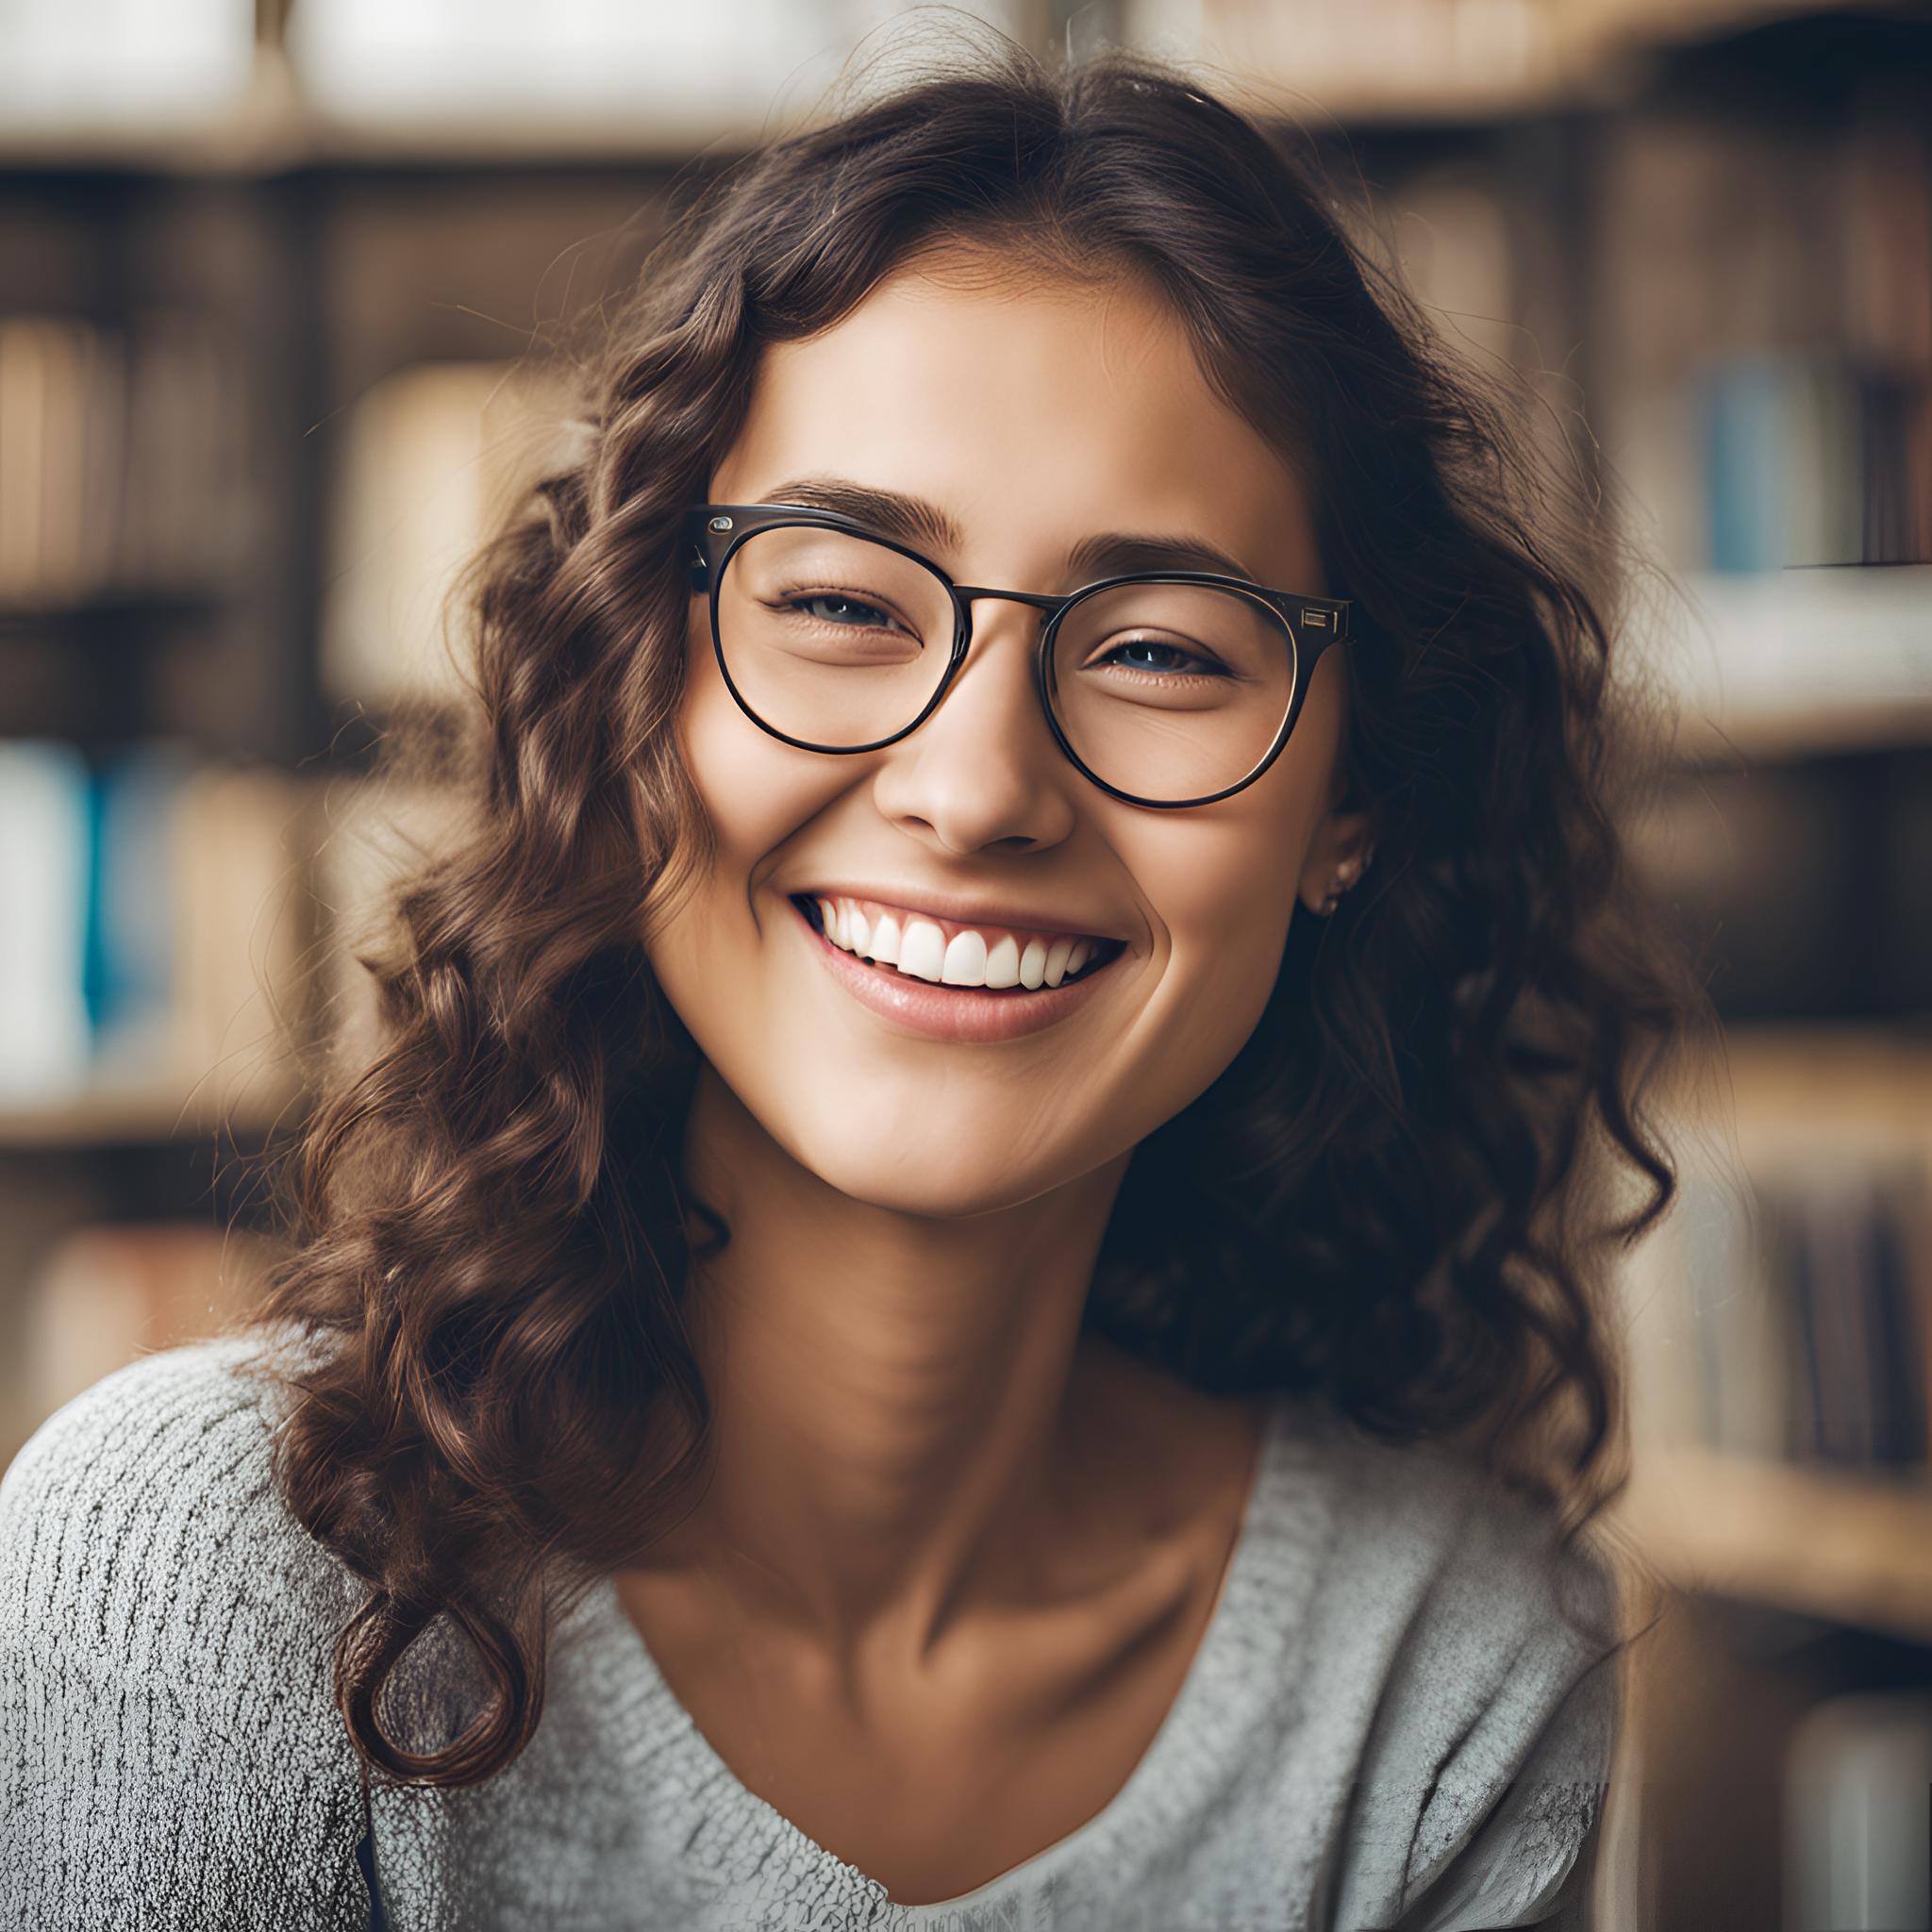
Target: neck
(897, 1398)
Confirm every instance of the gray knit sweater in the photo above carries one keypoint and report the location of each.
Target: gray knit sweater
(1387, 1724)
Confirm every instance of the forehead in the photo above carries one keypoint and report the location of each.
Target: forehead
(1034, 412)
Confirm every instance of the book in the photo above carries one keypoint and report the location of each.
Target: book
(45, 847)
(434, 457)
(122, 458)
(157, 921)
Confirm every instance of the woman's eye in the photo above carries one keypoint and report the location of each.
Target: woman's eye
(1156, 655)
(830, 607)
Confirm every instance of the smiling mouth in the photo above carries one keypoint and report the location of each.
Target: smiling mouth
(1104, 953)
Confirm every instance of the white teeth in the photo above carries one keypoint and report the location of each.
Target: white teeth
(922, 949)
(1002, 963)
(965, 961)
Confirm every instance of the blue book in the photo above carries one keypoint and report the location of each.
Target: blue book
(1746, 451)
(132, 890)
(1782, 462)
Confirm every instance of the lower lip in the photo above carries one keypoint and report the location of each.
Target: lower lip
(951, 1012)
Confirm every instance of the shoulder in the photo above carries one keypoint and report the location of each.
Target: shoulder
(143, 1512)
(1467, 1563)
(174, 1406)
(1474, 1651)
(166, 1657)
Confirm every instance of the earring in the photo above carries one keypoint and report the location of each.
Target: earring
(1346, 874)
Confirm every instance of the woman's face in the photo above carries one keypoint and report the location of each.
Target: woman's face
(1032, 416)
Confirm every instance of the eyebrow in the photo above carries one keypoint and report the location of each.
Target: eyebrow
(913, 520)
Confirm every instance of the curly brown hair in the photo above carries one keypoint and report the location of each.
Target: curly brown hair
(1398, 1193)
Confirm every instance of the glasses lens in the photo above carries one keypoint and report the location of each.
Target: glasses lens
(832, 639)
(1172, 692)
(1166, 692)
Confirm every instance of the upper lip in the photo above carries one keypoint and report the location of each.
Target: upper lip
(964, 912)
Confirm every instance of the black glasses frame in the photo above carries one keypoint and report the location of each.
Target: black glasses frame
(715, 530)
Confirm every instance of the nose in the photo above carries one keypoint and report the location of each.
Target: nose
(984, 769)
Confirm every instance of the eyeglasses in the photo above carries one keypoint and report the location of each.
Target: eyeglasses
(1166, 689)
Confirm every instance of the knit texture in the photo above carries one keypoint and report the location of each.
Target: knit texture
(1387, 1724)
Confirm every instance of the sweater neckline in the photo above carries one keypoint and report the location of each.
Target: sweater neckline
(1210, 1706)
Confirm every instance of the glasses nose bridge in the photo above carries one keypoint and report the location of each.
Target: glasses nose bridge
(970, 594)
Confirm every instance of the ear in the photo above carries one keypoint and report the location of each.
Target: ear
(1338, 847)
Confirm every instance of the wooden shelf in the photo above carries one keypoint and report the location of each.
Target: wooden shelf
(126, 1113)
(1676, 23)
(1831, 1543)
(240, 145)
(1861, 1089)
(1785, 731)
(1550, 59)
(1788, 662)
(109, 615)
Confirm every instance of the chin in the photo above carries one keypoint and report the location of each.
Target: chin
(932, 1168)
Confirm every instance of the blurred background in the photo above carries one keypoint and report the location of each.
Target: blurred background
(278, 285)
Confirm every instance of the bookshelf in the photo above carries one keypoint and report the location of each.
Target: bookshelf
(1781, 1451)
(112, 1113)
(1781, 1471)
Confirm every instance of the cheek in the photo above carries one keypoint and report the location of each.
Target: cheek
(756, 793)
(1222, 890)
(1223, 880)
(742, 777)
(1231, 899)
(1225, 911)
(1230, 903)
(756, 789)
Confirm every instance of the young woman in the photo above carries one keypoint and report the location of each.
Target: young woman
(963, 1294)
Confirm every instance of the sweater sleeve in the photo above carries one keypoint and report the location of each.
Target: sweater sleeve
(1525, 1854)
(169, 1751)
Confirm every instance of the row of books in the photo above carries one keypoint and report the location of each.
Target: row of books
(1810, 1313)
(154, 916)
(123, 458)
(151, 932)
(1814, 460)
(1760, 336)
(1757, 326)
